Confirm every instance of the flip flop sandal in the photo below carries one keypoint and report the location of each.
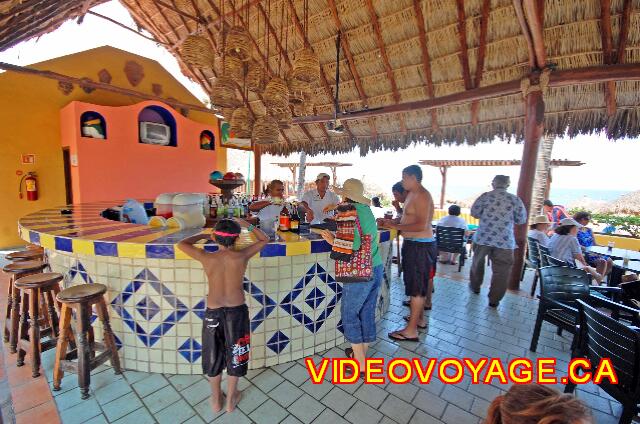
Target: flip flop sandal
(401, 338)
(421, 327)
(408, 303)
(349, 352)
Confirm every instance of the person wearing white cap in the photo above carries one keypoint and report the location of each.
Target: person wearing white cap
(564, 246)
(538, 229)
(319, 202)
(498, 211)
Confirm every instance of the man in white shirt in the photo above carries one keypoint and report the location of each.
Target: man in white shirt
(452, 220)
(318, 203)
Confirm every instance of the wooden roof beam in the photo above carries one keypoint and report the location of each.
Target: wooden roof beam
(275, 34)
(564, 78)
(426, 61)
(535, 24)
(464, 51)
(607, 49)
(482, 48)
(323, 77)
(624, 31)
(373, 17)
(522, 20)
(174, 9)
(344, 42)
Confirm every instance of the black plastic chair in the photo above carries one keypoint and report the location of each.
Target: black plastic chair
(452, 240)
(552, 261)
(599, 337)
(532, 261)
(543, 252)
(560, 289)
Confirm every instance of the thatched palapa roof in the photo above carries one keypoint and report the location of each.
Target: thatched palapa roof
(626, 204)
(401, 54)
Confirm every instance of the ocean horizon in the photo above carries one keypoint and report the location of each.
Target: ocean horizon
(562, 196)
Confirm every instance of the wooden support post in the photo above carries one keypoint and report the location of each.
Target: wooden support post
(257, 160)
(443, 190)
(533, 129)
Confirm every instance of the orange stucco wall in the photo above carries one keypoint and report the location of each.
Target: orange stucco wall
(30, 121)
(120, 166)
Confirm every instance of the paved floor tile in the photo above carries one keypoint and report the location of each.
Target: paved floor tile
(457, 396)
(306, 408)
(397, 409)
(236, 417)
(181, 382)
(176, 413)
(360, 413)
(139, 416)
(429, 403)
(297, 374)
(317, 391)
(329, 417)
(205, 411)
(112, 391)
(453, 414)
(161, 399)
(371, 395)
(194, 420)
(269, 413)
(251, 399)
(122, 406)
(81, 413)
(150, 384)
(267, 380)
(339, 400)
(195, 393)
(422, 418)
(291, 420)
(285, 394)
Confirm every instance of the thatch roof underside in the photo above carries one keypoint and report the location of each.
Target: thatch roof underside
(392, 68)
(21, 20)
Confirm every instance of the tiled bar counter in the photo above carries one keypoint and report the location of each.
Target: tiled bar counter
(157, 294)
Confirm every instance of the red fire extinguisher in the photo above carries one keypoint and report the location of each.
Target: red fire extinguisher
(30, 185)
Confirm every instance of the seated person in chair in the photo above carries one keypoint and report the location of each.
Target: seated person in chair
(452, 220)
(539, 228)
(564, 246)
(603, 264)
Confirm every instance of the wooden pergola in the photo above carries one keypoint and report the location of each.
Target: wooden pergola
(293, 167)
(412, 71)
(444, 165)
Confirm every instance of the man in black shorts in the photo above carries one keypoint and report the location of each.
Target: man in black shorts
(225, 330)
(419, 251)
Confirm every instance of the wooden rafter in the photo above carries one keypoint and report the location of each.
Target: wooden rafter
(323, 77)
(426, 60)
(373, 17)
(607, 51)
(564, 78)
(344, 43)
(482, 48)
(624, 31)
(534, 22)
(517, 6)
(464, 51)
(275, 34)
(174, 9)
(211, 38)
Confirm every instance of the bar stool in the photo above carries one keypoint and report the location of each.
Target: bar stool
(81, 298)
(26, 255)
(37, 289)
(17, 270)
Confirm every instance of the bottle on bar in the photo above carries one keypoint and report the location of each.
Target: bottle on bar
(285, 220)
(295, 220)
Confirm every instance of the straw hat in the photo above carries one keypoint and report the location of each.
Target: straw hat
(569, 221)
(540, 219)
(353, 189)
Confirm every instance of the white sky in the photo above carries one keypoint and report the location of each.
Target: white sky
(609, 165)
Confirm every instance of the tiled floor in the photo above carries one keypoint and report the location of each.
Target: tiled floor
(460, 325)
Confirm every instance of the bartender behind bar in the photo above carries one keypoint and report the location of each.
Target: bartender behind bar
(270, 208)
(320, 202)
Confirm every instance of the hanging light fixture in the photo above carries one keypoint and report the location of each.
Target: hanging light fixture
(242, 122)
(266, 131)
(197, 51)
(223, 93)
(239, 43)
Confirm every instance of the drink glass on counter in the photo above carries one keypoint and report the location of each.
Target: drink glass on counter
(610, 246)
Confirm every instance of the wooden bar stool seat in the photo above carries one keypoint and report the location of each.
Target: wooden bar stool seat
(36, 335)
(81, 298)
(17, 270)
(25, 255)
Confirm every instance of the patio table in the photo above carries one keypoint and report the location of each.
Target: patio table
(614, 253)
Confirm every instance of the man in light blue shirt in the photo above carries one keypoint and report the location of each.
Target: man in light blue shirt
(498, 212)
